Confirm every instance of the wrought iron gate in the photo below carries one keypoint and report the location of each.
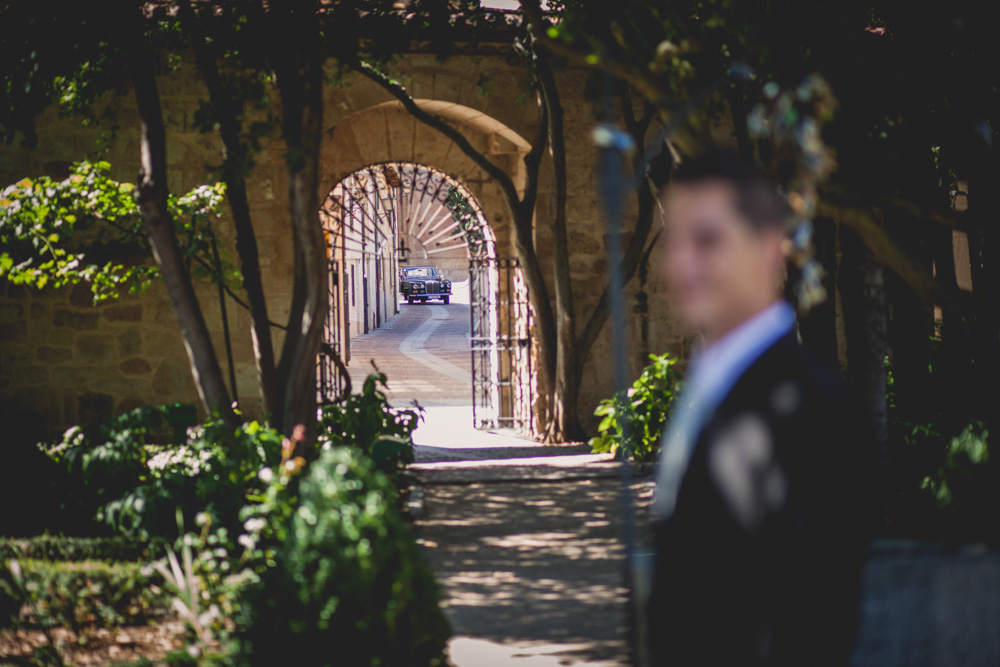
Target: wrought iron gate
(332, 377)
(501, 344)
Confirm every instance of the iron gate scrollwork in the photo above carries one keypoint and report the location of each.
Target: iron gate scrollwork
(501, 344)
(332, 378)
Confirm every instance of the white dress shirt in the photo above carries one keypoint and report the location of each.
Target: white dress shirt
(713, 372)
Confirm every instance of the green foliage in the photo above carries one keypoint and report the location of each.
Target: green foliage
(87, 228)
(469, 224)
(965, 486)
(645, 408)
(82, 594)
(311, 552)
(368, 422)
(345, 582)
(191, 601)
(62, 548)
(135, 486)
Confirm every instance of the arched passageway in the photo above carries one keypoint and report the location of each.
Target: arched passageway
(389, 219)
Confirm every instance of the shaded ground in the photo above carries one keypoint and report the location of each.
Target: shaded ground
(524, 538)
(532, 570)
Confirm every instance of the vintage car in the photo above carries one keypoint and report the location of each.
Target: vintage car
(419, 283)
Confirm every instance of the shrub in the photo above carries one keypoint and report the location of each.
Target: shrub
(134, 486)
(966, 487)
(368, 422)
(645, 408)
(82, 593)
(345, 583)
(58, 547)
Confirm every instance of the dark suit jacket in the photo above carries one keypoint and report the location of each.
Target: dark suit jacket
(760, 562)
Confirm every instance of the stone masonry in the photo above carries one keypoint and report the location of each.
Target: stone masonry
(69, 362)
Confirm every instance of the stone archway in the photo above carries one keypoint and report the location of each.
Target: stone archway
(394, 158)
(387, 133)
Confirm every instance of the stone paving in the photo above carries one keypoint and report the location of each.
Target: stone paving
(524, 538)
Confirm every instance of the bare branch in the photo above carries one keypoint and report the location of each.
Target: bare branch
(439, 124)
(889, 253)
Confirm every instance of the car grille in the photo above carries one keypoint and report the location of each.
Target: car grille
(433, 287)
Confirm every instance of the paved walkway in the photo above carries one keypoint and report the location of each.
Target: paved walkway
(523, 537)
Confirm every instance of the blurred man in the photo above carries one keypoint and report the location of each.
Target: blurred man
(757, 506)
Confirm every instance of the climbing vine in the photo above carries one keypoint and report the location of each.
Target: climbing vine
(465, 215)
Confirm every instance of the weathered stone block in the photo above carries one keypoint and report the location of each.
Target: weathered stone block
(81, 295)
(164, 313)
(122, 386)
(135, 366)
(61, 337)
(128, 404)
(75, 376)
(95, 349)
(11, 311)
(28, 375)
(54, 355)
(74, 320)
(12, 355)
(38, 317)
(582, 243)
(69, 407)
(131, 313)
(163, 341)
(578, 266)
(130, 342)
(13, 331)
(172, 377)
(93, 408)
(17, 291)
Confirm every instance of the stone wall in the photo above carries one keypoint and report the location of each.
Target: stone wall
(60, 357)
(67, 362)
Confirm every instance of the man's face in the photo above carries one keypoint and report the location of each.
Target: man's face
(719, 269)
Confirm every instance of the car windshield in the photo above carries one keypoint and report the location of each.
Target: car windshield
(421, 272)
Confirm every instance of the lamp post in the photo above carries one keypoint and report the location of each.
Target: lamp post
(388, 203)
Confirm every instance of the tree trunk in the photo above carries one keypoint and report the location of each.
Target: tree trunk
(984, 203)
(910, 327)
(818, 328)
(863, 294)
(646, 178)
(541, 305)
(152, 198)
(228, 115)
(299, 75)
(564, 425)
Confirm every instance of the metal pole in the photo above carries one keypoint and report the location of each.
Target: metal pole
(614, 143)
(225, 318)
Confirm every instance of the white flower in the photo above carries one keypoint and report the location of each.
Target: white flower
(254, 524)
(245, 541)
(265, 475)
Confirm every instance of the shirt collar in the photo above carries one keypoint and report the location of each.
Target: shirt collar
(731, 355)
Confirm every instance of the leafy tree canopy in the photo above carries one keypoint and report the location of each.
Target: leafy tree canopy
(87, 228)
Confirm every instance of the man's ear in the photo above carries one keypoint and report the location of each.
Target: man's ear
(776, 243)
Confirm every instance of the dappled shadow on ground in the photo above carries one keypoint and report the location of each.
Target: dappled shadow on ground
(537, 563)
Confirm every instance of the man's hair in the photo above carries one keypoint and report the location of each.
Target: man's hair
(757, 198)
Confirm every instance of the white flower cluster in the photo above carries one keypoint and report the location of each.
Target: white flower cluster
(185, 458)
